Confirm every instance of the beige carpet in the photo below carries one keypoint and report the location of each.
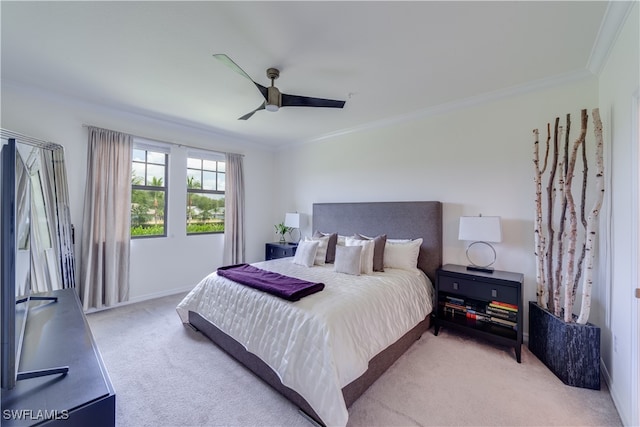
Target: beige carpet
(168, 375)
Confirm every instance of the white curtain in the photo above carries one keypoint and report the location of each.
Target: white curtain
(234, 210)
(104, 263)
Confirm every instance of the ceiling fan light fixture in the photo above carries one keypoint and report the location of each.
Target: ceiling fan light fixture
(271, 107)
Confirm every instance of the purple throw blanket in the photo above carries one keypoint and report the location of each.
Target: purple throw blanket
(289, 288)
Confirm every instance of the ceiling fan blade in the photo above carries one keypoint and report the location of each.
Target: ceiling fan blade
(263, 90)
(305, 101)
(235, 67)
(229, 63)
(248, 115)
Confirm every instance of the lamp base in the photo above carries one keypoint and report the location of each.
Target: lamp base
(481, 269)
(481, 266)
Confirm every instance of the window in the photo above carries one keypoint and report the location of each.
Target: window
(205, 193)
(148, 192)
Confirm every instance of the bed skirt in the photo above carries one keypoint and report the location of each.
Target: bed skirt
(377, 366)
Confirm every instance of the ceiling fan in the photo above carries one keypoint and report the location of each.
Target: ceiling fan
(273, 98)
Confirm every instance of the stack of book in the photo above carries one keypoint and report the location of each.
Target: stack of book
(454, 306)
(496, 312)
(477, 314)
(459, 307)
(503, 314)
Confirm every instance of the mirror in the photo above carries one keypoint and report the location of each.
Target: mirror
(45, 259)
(45, 272)
(37, 241)
(23, 228)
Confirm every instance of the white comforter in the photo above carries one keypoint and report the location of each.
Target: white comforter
(321, 343)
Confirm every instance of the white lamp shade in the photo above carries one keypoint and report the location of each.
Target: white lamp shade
(292, 220)
(480, 229)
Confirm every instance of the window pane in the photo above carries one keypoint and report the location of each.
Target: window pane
(209, 179)
(222, 167)
(137, 173)
(194, 163)
(138, 155)
(205, 213)
(209, 165)
(153, 157)
(221, 182)
(147, 213)
(155, 175)
(148, 168)
(193, 179)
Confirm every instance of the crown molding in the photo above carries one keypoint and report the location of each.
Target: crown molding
(610, 27)
(469, 102)
(137, 115)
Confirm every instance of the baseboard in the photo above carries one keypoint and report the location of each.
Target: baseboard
(624, 417)
(143, 298)
(160, 294)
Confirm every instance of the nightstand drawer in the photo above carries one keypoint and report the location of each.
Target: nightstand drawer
(279, 250)
(480, 290)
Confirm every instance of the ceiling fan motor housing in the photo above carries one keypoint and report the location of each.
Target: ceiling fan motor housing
(274, 99)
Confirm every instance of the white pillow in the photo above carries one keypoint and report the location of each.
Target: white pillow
(348, 259)
(402, 255)
(321, 253)
(306, 253)
(366, 257)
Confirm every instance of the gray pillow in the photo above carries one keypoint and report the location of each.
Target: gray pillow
(378, 249)
(331, 247)
(348, 260)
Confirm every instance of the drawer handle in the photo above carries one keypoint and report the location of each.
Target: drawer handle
(455, 285)
(494, 293)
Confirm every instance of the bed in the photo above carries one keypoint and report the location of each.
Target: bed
(322, 352)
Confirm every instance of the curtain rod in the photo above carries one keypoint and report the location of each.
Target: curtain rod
(84, 125)
(29, 140)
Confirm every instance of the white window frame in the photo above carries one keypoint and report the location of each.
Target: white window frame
(211, 156)
(158, 147)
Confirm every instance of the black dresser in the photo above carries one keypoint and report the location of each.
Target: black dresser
(57, 334)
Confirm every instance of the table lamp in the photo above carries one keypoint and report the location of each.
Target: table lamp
(480, 230)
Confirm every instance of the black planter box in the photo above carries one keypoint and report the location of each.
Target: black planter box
(570, 350)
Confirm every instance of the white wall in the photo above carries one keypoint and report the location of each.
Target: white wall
(618, 85)
(479, 160)
(475, 160)
(159, 266)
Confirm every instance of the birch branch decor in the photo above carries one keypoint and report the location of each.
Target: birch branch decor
(560, 227)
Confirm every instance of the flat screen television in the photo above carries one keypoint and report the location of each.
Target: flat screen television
(14, 315)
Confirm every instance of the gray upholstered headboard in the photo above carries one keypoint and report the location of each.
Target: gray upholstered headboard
(398, 220)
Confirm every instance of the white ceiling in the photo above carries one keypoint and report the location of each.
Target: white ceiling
(388, 60)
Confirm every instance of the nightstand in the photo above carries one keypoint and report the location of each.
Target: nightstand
(486, 305)
(277, 250)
